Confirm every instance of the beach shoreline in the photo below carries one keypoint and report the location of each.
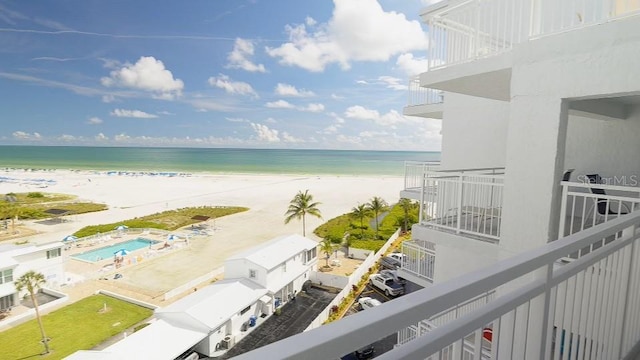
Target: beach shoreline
(267, 196)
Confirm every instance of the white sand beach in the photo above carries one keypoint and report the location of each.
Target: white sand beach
(128, 196)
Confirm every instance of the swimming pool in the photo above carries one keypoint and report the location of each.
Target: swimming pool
(107, 252)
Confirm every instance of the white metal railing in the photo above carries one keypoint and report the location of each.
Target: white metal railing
(414, 173)
(585, 205)
(588, 308)
(419, 259)
(419, 95)
(470, 29)
(468, 201)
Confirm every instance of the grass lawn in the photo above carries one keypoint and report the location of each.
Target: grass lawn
(78, 326)
(32, 206)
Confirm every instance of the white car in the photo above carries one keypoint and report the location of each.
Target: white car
(368, 302)
(398, 256)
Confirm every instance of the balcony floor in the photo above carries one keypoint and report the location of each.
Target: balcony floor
(472, 225)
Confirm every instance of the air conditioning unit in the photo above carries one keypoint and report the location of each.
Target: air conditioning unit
(227, 342)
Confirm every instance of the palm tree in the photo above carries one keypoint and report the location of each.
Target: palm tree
(347, 240)
(32, 281)
(406, 206)
(326, 246)
(377, 205)
(301, 205)
(360, 212)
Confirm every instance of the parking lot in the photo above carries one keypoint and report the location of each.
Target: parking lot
(383, 345)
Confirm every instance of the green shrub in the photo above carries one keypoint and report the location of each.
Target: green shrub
(35, 195)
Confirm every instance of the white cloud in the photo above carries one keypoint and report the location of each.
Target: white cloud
(232, 87)
(21, 135)
(315, 108)
(280, 104)
(359, 112)
(412, 65)
(239, 57)
(147, 74)
(132, 114)
(101, 137)
(66, 138)
(237, 120)
(290, 90)
(337, 97)
(108, 98)
(286, 137)
(264, 133)
(393, 82)
(271, 121)
(94, 121)
(359, 30)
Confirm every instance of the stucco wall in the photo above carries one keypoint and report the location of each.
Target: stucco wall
(474, 132)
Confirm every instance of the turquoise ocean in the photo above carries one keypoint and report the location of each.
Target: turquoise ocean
(212, 160)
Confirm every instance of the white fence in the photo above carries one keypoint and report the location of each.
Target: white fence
(588, 308)
(464, 202)
(419, 95)
(585, 204)
(472, 29)
(43, 308)
(414, 173)
(332, 280)
(354, 278)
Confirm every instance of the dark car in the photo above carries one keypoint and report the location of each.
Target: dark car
(390, 263)
(366, 352)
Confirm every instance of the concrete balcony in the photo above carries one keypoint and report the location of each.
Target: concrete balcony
(541, 309)
(466, 201)
(423, 102)
(478, 36)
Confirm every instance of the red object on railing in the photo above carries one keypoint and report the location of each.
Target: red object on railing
(487, 334)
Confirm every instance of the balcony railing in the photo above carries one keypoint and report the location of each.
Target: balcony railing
(585, 205)
(588, 308)
(419, 95)
(470, 29)
(414, 173)
(419, 259)
(467, 201)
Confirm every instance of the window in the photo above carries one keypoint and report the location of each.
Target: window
(252, 274)
(6, 302)
(53, 253)
(6, 276)
(311, 254)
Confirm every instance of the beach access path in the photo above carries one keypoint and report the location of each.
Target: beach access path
(267, 197)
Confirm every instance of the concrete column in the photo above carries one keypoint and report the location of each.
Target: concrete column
(535, 160)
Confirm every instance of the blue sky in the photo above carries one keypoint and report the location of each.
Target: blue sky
(217, 73)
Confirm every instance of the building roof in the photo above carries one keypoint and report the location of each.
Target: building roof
(213, 305)
(274, 252)
(159, 340)
(11, 250)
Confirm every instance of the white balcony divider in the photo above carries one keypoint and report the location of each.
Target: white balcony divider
(470, 29)
(414, 173)
(468, 202)
(581, 208)
(419, 95)
(587, 309)
(420, 258)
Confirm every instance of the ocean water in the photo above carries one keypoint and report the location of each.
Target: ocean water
(192, 160)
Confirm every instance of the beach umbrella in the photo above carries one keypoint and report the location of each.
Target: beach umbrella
(121, 252)
(122, 227)
(172, 237)
(70, 238)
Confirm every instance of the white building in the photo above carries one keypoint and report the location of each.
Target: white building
(15, 260)
(527, 90)
(212, 319)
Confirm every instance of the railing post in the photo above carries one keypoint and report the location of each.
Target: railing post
(459, 202)
(549, 308)
(627, 232)
(422, 189)
(563, 210)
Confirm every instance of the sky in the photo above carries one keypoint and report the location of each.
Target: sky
(281, 74)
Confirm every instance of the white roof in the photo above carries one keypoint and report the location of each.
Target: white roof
(274, 252)
(17, 250)
(213, 305)
(160, 340)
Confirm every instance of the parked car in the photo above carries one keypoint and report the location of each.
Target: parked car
(387, 284)
(366, 352)
(390, 263)
(368, 302)
(398, 256)
(394, 275)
